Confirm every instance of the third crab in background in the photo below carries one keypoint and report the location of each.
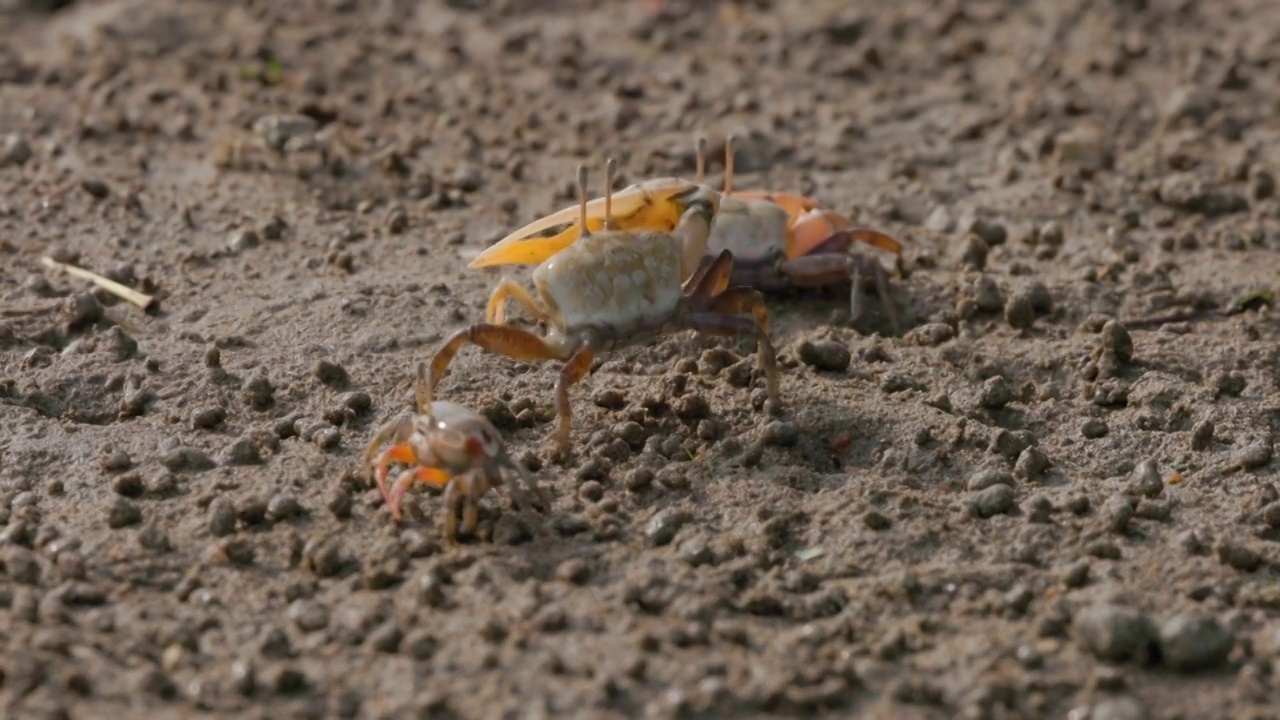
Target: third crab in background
(779, 241)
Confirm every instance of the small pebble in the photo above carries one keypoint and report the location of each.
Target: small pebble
(973, 252)
(1115, 633)
(1116, 340)
(1202, 435)
(308, 615)
(340, 505)
(123, 513)
(988, 477)
(1094, 428)
(241, 451)
(16, 150)
(574, 571)
(825, 355)
(1117, 512)
(992, 501)
(996, 393)
(1031, 465)
(1239, 556)
(95, 187)
(876, 520)
(282, 507)
(1145, 480)
(662, 527)
(208, 418)
(130, 485)
(1252, 456)
(386, 638)
(1190, 642)
(242, 240)
(330, 373)
(783, 433)
(222, 517)
(986, 294)
(1018, 311)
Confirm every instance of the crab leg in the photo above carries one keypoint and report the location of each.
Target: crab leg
(718, 323)
(519, 344)
(429, 475)
(496, 312)
(823, 270)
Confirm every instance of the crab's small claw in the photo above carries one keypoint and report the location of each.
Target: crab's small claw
(652, 205)
(815, 227)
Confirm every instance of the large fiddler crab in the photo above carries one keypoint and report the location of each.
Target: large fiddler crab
(447, 445)
(778, 240)
(615, 288)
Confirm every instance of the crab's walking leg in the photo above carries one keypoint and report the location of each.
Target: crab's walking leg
(576, 368)
(513, 342)
(470, 491)
(519, 344)
(719, 323)
(711, 278)
(403, 454)
(405, 480)
(741, 300)
(453, 495)
(496, 312)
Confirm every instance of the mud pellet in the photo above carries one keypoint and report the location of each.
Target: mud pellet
(420, 644)
(1116, 340)
(241, 451)
(129, 485)
(122, 513)
(329, 372)
(991, 501)
(208, 418)
(242, 240)
(340, 504)
(358, 401)
(1031, 464)
(1239, 556)
(259, 393)
(251, 510)
(1145, 480)
(308, 616)
(782, 433)
(187, 458)
(1115, 633)
(327, 438)
(222, 517)
(1191, 642)
(638, 479)
(1251, 456)
(115, 460)
(663, 526)
(1018, 311)
(1094, 428)
(283, 507)
(825, 355)
(876, 520)
(152, 537)
(1202, 435)
(996, 393)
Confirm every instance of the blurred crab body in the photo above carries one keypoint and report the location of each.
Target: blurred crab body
(445, 445)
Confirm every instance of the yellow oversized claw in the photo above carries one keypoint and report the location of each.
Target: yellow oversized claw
(654, 205)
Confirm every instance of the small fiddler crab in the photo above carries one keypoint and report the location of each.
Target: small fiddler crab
(778, 240)
(618, 288)
(448, 446)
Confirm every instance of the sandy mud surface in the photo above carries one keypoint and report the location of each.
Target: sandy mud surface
(1052, 494)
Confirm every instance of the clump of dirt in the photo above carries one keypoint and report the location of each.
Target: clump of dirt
(1051, 494)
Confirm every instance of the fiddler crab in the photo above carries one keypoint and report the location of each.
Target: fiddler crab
(778, 240)
(615, 288)
(447, 445)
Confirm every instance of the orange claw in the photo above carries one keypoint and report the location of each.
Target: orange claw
(815, 227)
(652, 205)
